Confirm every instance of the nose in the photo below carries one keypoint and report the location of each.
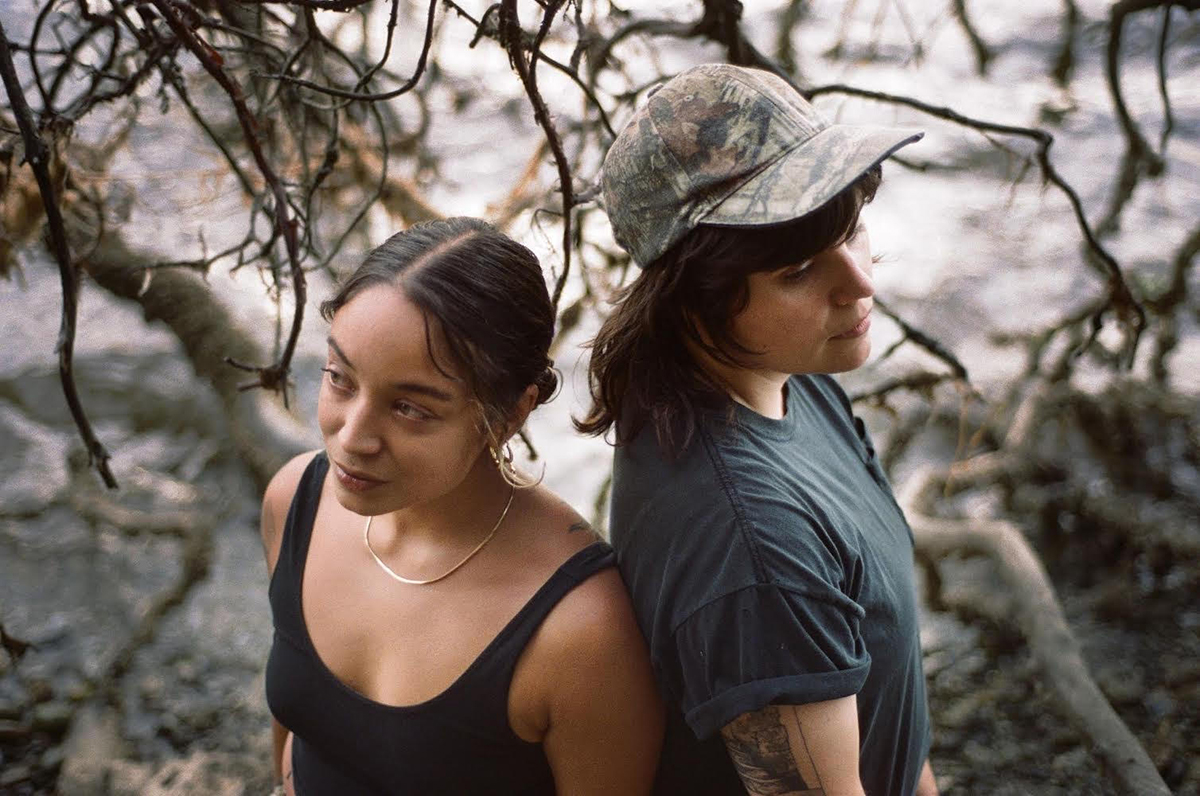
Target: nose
(853, 276)
(358, 434)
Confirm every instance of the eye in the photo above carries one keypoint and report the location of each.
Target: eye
(411, 411)
(336, 379)
(795, 273)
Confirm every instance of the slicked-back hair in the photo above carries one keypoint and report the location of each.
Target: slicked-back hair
(483, 294)
(643, 368)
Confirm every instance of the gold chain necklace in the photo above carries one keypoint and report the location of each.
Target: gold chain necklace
(453, 569)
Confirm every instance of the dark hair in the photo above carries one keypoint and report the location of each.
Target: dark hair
(642, 368)
(486, 294)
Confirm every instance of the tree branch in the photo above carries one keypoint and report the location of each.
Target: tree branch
(983, 54)
(355, 93)
(1120, 296)
(511, 36)
(37, 155)
(275, 376)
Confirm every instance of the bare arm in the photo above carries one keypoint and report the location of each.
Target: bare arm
(604, 718)
(797, 750)
(927, 785)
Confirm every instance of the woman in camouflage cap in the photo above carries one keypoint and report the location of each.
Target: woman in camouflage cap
(769, 563)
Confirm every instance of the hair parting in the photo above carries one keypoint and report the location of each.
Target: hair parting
(485, 304)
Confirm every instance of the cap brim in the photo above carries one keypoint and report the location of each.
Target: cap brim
(809, 175)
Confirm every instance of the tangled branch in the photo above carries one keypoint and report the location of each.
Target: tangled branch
(274, 376)
(37, 156)
(1120, 297)
(356, 93)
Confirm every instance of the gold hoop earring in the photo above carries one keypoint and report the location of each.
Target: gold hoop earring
(501, 461)
(504, 463)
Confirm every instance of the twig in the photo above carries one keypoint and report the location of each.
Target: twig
(355, 94)
(789, 17)
(1167, 303)
(37, 155)
(918, 382)
(271, 377)
(1138, 148)
(1121, 298)
(925, 341)
(1168, 120)
(318, 5)
(983, 54)
(483, 29)
(510, 36)
(1064, 62)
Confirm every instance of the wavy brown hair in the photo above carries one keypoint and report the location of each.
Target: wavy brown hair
(643, 370)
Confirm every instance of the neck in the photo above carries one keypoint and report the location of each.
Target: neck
(760, 391)
(460, 516)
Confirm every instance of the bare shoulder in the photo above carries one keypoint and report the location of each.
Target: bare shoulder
(556, 529)
(277, 497)
(596, 612)
(593, 628)
(602, 725)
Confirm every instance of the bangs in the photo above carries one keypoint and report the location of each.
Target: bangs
(771, 247)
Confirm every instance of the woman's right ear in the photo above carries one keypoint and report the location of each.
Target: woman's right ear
(525, 404)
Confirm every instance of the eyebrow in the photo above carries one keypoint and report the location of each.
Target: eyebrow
(408, 386)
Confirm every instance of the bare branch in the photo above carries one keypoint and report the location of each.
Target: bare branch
(1163, 34)
(1064, 62)
(37, 156)
(1120, 296)
(483, 28)
(510, 35)
(1139, 149)
(271, 377)
(922, 382)
(317, 5)
(355, 94)
(925, 341)
(983, 53)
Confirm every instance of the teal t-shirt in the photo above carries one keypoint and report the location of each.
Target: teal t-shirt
(770, 564)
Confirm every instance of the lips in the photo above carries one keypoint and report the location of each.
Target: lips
(858, 330)
(354, 480)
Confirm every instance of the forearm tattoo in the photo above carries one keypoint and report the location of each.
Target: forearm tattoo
(763, 752)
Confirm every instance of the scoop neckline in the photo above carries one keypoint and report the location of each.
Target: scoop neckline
(457, 684)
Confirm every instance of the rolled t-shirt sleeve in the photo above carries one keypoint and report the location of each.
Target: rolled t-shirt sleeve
(765, 644)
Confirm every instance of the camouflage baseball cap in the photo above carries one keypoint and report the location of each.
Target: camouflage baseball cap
(729, 146)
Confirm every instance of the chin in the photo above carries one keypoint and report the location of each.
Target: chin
(352, 502)
(848, 364)
(859, 357)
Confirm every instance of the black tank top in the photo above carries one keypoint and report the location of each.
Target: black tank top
(458, 742)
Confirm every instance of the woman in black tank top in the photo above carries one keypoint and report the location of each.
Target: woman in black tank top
(443, 625)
